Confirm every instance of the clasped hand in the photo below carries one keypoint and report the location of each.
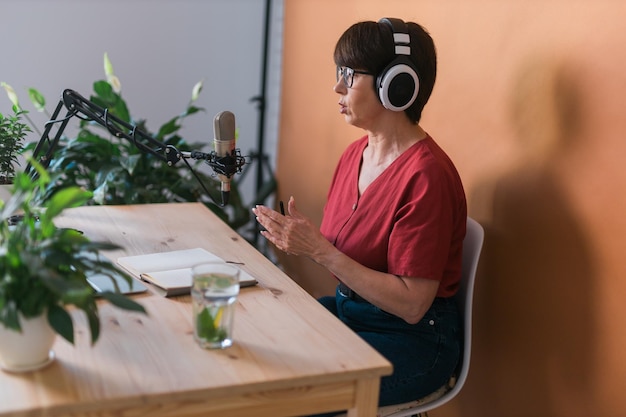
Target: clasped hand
(292, 233)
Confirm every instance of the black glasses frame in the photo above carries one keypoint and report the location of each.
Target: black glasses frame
(347, 74)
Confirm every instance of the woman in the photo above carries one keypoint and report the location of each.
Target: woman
(394, 221)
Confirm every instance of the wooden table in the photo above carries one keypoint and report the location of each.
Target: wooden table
(290, 356)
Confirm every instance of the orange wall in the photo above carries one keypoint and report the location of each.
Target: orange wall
(530, 104)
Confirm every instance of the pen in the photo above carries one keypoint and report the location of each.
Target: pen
(282, 208)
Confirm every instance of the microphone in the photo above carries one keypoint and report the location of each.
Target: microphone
(224, 144)
(225, 160)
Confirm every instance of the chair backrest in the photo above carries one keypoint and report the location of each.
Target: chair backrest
(472, 246)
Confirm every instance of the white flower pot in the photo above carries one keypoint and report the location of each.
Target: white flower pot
(29, 349)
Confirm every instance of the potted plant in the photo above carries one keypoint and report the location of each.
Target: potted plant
(12, 134)
(44, 270)
(119, 172)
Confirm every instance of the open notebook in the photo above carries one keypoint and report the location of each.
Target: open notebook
(170, 272)
(112, 282)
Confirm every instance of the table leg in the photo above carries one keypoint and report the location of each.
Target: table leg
(366, 401)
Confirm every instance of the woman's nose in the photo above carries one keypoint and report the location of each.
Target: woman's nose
(340, 86)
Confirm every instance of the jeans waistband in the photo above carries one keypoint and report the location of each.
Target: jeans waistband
(350, 294)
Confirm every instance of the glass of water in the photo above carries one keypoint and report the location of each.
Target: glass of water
(213, 293)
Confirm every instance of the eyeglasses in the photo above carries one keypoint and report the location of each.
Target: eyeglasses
(347, 74)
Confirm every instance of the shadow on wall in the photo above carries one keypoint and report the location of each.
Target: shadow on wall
(533, 306)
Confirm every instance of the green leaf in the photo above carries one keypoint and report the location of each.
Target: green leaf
(9, 317)
(61, 322)
(94, 321)
(205, 326)
(107, 97)
(105, 92)
(123, 302)
(38, 100)
(208, 327)
(66, 198)
(121, 111)
(169, 128)
(191, 110)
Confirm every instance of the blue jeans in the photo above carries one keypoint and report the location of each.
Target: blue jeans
(424, 355)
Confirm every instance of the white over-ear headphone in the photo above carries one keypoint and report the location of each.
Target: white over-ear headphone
(398, 83)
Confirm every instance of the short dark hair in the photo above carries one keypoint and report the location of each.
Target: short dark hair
(369, 46)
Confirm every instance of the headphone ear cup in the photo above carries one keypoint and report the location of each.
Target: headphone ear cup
(398, 85)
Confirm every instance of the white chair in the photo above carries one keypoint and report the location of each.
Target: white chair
(472, 246)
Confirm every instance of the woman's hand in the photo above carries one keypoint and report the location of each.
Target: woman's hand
(292, 233)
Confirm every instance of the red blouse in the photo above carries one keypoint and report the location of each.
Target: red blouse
(410, 221)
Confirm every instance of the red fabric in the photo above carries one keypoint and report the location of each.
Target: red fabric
(410, 221)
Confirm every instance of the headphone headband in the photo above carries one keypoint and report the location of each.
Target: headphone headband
(401, 37)
(398, 83)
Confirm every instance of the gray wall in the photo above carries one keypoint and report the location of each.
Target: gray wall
(159, 50)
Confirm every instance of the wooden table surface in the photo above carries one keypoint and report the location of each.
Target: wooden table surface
(290, 357)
